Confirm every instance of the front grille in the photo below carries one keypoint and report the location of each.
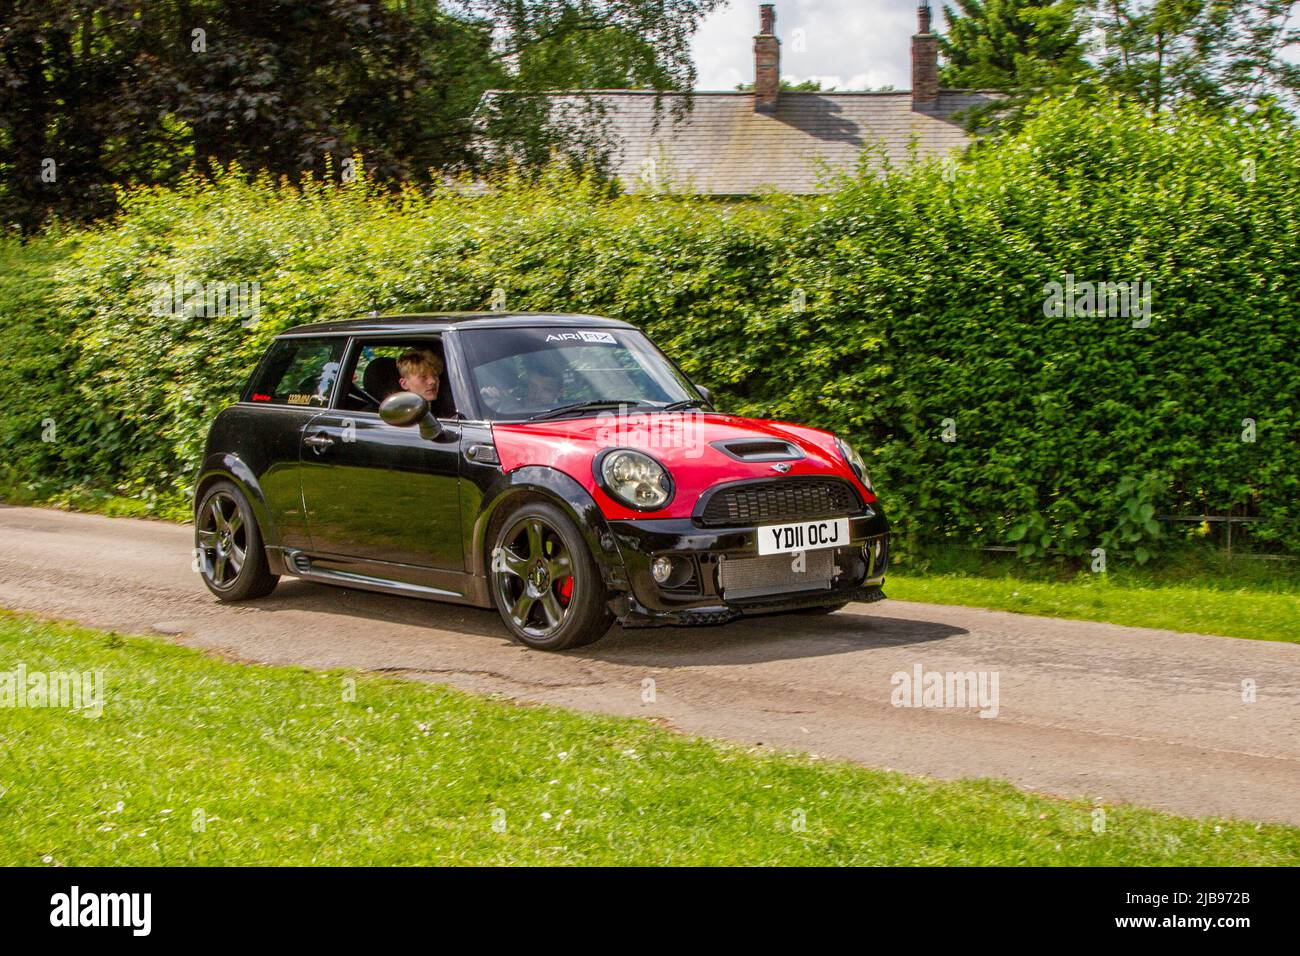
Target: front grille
(742, 578)
(779, 499)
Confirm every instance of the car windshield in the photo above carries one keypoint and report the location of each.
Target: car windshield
(524, 373)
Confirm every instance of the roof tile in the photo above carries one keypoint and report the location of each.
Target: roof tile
(724, 147)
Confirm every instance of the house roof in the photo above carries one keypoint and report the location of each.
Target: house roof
(723, 146)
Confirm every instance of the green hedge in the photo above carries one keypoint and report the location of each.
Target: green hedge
(924, 299)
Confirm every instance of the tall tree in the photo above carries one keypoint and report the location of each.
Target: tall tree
(1220, 53)
(547, 45)
(95, 94)
(1021, 48)
(79, 107)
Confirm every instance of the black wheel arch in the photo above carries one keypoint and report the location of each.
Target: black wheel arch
(228, 467)
(563, 490)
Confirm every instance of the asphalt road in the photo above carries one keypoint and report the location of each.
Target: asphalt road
(1085, 710)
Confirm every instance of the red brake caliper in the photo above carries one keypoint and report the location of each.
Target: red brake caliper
(566, 590)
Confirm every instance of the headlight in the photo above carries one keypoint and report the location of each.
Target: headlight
(855, 462)
(635, 479)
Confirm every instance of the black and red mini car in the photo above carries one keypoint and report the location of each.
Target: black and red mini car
(557, 467)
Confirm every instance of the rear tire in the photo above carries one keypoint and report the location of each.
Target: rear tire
(228, 546)
(545, 584)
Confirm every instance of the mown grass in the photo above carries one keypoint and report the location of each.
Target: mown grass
(201, 761)
(1201, 591)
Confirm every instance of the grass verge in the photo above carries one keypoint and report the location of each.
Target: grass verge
(1200, 591)
(201, 761)
(112, 504)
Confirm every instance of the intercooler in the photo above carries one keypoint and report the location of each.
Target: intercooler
(741, 578)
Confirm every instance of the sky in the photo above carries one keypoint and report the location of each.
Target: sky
(849, 44)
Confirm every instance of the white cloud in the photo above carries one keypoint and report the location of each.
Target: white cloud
(849, 44)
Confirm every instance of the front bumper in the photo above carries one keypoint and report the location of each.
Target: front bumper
(699, 597)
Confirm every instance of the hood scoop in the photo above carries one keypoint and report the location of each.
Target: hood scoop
(758, 449)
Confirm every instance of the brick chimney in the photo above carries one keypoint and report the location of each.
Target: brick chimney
(925, 62)
(767, 61)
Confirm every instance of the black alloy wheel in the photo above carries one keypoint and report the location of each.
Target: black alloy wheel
(546, 586)
(228, 546)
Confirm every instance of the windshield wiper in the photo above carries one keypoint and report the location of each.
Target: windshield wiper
(582, 406)
(684, 403)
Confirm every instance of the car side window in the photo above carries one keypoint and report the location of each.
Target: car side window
(376, 374)
(297, 372)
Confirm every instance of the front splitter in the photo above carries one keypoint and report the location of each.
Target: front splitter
(631, 613)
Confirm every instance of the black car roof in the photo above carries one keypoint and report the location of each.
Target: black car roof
(441, 321)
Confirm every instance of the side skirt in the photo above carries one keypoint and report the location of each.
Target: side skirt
(453, 587)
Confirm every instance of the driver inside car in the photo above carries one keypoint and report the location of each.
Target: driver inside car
(540, 389)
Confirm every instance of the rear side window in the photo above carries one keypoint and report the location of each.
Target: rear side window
(297, 372)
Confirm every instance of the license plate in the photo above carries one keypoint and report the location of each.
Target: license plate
(803, 536)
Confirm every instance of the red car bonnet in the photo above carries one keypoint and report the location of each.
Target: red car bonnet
(680, 441)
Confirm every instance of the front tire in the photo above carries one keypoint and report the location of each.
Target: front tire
(228, 546)
(545, 584)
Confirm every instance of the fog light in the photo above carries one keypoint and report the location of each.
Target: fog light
(662, 569)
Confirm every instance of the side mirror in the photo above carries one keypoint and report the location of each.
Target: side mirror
(405, 409)
(705, 392)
